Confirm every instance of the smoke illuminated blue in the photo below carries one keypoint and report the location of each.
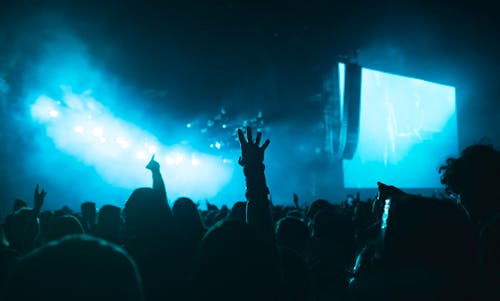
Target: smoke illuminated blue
(408, 127)
(93, 136)
(80, 125)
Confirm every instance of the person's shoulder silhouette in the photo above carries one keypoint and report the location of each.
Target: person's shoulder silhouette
(76, 268)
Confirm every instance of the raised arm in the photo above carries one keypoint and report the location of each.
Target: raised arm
(38, 200)
(258, 213)
(158, 184)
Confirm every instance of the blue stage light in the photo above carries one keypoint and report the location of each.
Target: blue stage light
(79, 129)
(119, 150)
(195, 161)
(53, 113)
(179, 158)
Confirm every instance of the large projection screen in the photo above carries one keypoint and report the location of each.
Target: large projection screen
(408, 127)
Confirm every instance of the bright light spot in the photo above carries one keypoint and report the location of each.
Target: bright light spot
(78, 129)
(179, 159)
(141, 155)
(170, 160)
(123, 143)
(224, 126)
(53, 113)
(217, 145)
(188, 125)
(152, 149)
(211, 145)
(94, 135)
(41, 108)
(97, 132)
(225, 161)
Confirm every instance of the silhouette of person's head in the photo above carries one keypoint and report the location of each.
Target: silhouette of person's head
(62, 226)
(110, 224)
(88, 210)
(238, 212)
(18, 204)
(146, 214)
(234, 264)
(186, 216)
(427, 252)
(292, 233)
(150, 239)
(76, 268)
(330, 225)
(317, 206)
(428, 232)
(21, 229)
(475, 177)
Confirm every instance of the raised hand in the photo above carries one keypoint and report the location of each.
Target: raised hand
(210, 206)
(251, 152)
(39, 198)
(258, 214)
(386, 191)
(296, 200)
(158, 184)
(153, 165)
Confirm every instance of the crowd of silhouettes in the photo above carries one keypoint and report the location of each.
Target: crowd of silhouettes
(396, 246)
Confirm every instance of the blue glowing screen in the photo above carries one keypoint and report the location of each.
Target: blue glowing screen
(408, 128)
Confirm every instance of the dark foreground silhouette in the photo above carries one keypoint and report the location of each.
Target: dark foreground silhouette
(395, 247)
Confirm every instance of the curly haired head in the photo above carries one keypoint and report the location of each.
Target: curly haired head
(475, 176)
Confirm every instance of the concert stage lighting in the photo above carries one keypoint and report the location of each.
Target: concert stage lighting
(118, 150)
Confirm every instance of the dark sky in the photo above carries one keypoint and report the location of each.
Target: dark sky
(267, 55)
(201, 52)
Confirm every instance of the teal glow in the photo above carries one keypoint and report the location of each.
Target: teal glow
(341, 86)
(408, 127)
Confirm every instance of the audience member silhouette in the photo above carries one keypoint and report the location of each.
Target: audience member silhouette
(76, 268)
(21, 228)
(62, 226)
(236, 264)
(238, 212)
(293, 233)
(150, 240)
(88, 218)
(397, 246)
(110, 226)
(474, 178)
(18, 204)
